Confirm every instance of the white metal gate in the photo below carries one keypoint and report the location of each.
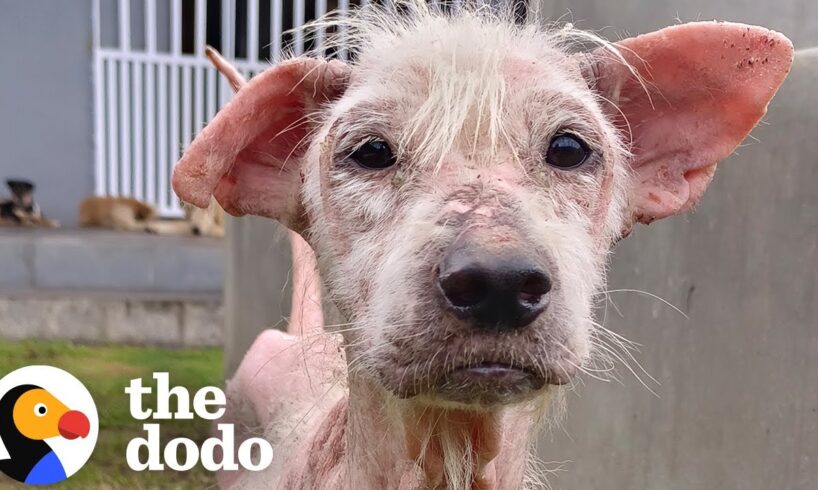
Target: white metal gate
(154, 89)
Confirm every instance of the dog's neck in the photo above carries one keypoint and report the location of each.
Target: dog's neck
(372, 440)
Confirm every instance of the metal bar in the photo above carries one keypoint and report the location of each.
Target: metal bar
(298, 21)
(228, 33)
(125, 25)
(151, 160)
(150, 26)
(125, 128)
(162, 126)
(174, 142)
(176, 27)
(138, 139)
(343, 6)
(200, 16)
(113, 147)
(252, 31)
(99, 105)
(212, 95)
(320, 35)
(150, 133)
(199, 108)
(276, 14)
(187, 112)
(228, 27)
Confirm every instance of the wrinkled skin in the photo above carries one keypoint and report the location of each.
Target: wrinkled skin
(409, 393)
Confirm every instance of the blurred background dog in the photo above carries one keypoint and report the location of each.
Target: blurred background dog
(20, 209)
(129, 214)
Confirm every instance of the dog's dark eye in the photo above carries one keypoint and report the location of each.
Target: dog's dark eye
(567, 151)
(374, 154)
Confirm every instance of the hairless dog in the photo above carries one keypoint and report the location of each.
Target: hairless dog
(461, 182)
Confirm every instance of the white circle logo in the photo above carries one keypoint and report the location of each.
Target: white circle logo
(48, 425)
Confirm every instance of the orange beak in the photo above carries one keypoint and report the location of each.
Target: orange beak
(74, 424)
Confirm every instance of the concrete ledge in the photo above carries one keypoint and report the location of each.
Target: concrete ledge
(102, 260)
(102, 319)
(106, 286)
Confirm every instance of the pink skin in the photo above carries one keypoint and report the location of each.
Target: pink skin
(703, 87)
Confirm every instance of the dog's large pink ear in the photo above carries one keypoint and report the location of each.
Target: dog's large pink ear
(249, 156)
(701, 88)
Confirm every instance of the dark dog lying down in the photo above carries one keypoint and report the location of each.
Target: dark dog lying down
(20, 209)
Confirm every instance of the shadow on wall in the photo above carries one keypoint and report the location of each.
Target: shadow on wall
(736, 405)
(623, 18)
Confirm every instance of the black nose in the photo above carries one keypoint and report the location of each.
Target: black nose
(493, 292)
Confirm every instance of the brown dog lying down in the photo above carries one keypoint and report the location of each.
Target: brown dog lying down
(128, 214)
(21, 209)
(462, 183)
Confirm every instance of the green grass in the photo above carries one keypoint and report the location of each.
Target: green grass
(105, 371)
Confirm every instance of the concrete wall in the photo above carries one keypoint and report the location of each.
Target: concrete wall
(798, 19)
(46, 127)
(107, 286)
(256, 293)
(139, 319)
(737, 407)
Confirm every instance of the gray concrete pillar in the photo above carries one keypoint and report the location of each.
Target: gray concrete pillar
(737, 404)
(256, 289)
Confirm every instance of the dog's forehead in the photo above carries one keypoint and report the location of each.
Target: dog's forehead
(418, 60)
(463, 85)
(444, 76)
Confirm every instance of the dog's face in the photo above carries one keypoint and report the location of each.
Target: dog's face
(463, 182)
(464, 236)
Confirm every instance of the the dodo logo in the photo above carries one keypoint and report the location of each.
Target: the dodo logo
(48, 425)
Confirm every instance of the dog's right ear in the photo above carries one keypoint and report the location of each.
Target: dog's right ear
(250, 156)
(20, 187)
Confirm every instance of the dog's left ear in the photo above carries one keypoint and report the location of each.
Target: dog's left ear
(701, 87)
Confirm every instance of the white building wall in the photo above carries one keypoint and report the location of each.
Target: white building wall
(46, 127)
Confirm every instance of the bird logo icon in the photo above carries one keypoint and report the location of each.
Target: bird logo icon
(48, 425)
